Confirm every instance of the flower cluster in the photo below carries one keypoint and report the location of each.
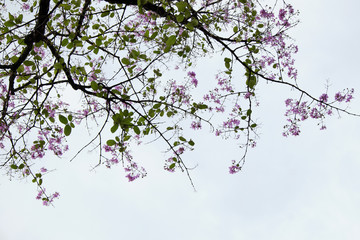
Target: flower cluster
(234, 168)
(300, 111)
(194, 81)
(179, 93)
(47, 200)
(49, 140)
(120, 152)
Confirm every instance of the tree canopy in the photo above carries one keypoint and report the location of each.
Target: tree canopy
(68, 64)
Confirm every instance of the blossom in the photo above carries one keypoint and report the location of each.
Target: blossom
(131, 177)
(194, 81)
(324, 98)
(196, 125)
(247, 95)
(314, 113)
(39, 50)
(282, 13)
(339, 97)
(265, 14)
(192, 75)
(234, 168)
(25, 6)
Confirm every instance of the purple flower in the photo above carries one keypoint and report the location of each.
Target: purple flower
(288, 102)
(181, 150)
(194, 81)
(132, 177)
(324, 98)
(247, 95)
(196, 125)
(282, 13)
(25, 6)
(339, 97)
(234, 168)
(191, 74)
(314, 113)
(265, 14)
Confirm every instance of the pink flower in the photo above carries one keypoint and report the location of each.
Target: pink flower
(194, 81)
(132, 177)
(25, 6)
(265, 14)
(247, 95)
(196, 125)
(324, 98)
(234, 168)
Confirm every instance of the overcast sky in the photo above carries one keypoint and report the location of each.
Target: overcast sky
(291, 188)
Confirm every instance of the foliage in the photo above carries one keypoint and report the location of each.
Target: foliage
(113, 56)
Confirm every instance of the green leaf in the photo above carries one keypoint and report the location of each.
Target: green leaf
(94, 86)
(13, 166)
(194, 22)
(251, 81)
(180, 18)
(182, 139)
(67, 130)
(151, 113)
(181, 5)
(190, 26)
(172, 166)
(110, 142)
(153, 36)
(58, 65)
(136, 130)
(227, 62)
(202, 106)
(63, 119)
(157, 105)
(114, 128)
(20, 69)
(28, 63)
(235, 29)
(191, 143)
(167, 49)
(14, 59)
(9, 24)
(171, 41)
(125, 61)
(70, 45)
(64, 42)
(104, 14)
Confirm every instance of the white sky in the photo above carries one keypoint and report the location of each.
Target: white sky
(291, 188)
